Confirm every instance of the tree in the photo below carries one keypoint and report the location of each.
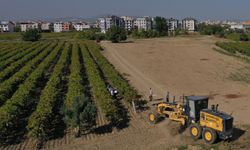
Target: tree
(82, 114)
(161, 25)
(212, 29)
(116, 34)
(31, 35)
(244, 37)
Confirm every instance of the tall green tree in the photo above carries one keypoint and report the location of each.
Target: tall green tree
(161, 25)
(116, 34)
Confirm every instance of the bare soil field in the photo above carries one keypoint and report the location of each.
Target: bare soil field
(190, 66)
(182, 65)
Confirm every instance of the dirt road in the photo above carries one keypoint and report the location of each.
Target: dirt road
(182, 65)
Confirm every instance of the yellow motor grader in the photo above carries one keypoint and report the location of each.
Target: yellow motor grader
(193, 112)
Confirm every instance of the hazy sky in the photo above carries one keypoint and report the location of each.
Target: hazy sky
(200, 9)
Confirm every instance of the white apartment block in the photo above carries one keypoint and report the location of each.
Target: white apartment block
(46, 27)
(81, 26)
(172, 24)
(29, 25)
(107, 22)
(6, 26)
(189, 24)
(143, 23)
(128, 23)
(237, 26)
(58, 26)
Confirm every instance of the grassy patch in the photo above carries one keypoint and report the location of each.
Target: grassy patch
(242, 75)
(235, 36)
(182, 147)
(10, 36)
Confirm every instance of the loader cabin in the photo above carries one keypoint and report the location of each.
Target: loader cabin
(194, 105)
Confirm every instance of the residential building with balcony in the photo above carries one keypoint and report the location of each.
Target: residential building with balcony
(6, 26)
(80, 26)
(128, 22)
(107, 22)
(29, 25)
(143, 23)
(172, 24)
(189, 24)
(46, 27)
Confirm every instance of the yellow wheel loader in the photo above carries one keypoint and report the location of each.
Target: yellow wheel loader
(209, 124)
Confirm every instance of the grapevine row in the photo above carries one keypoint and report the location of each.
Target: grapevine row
(8, 87)
(234, 47)
(98, 89)
(11, 112)
(7, 62)
(14, 67)
(9, 48)
(75, 86)
(13, 51)
(111, 74)
(41, 119)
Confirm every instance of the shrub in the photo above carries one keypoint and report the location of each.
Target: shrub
(244, 37)
(92, 35)
(145, 34)
(31, 35)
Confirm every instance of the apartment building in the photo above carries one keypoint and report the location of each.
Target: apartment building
(172, 24)
(29, 25)
(128, 22)
(189, 24)
(107, 22)
(143, 23)
(62, 26)
(58, 26)
(66, 26)
(46, 27)
(80, 26)
(6, 26)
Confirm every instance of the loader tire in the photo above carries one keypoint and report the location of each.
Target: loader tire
(195, 131)
(153, 118)
(209, 135)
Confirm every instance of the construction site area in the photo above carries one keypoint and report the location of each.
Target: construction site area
(168, 71)
(180, 66)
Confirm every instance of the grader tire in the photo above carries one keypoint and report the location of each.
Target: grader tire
(209, 135)
(153, 118)
(195, 131)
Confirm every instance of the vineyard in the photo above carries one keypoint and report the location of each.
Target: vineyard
(235, 47)
(38, 80)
